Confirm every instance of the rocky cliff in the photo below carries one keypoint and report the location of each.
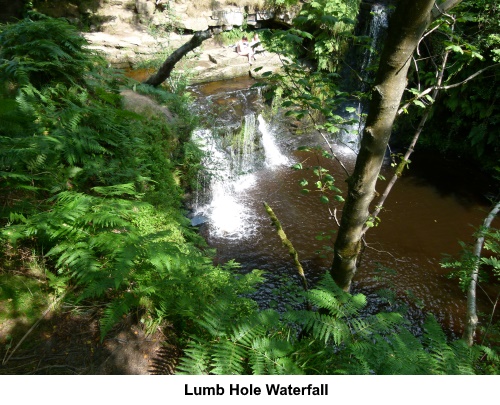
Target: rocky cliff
(131, 31)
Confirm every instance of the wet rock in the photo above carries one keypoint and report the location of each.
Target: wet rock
(198, 220)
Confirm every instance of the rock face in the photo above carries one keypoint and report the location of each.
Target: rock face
(221, 63)
(201, 15)
(129, 32)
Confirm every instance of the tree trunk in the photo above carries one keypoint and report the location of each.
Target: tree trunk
(472, 319)
(169, 64)
(406, 158)
(407, 25)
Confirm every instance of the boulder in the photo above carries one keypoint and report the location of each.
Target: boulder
(224, 63)
(129, 32)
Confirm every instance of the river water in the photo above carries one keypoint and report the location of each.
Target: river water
(432, 207)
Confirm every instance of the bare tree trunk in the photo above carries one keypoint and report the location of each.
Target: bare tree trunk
(169, 64)
(472, 319)
(407, 25)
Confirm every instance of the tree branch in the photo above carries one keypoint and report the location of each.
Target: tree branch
(169, 64)
(286, 242)
(450, 86)
(443, 8)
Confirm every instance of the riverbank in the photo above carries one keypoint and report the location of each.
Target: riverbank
(133, 48)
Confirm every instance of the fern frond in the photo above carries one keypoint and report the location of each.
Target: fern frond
(196, 359)
(327, 295)
(228, 358)
(115, 310)
(117, 190)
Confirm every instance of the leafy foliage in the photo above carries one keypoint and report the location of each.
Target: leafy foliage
(331, 23)
(487, 267)
(95, 189)
(39, 50)
(464, 121)
(332, 339)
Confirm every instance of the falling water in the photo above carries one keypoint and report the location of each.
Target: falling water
(424, 217)
(375, 30)
(232, 174)
(243, 153)
(378, 25)
(273, 155)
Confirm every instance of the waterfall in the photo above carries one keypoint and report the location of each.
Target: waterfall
(231, 172)
(220, 204)
(372, 25)
(243, 152)
(273, 155)
(379, 23)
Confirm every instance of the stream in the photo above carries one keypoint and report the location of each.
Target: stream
(433, 206)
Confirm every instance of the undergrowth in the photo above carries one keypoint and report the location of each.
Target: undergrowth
(331, 339)
(95, 193)
(96, 190)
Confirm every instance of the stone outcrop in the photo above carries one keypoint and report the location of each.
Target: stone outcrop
(129, 32)
(224, 63)
(200, 16)
(210, 62)
(130, 39)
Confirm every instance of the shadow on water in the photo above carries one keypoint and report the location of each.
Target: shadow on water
(451, 178)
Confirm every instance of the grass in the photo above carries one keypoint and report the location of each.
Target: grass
(24, 291)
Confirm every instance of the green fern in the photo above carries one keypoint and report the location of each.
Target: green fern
(40, 50)
(115, 310)
(334, 342)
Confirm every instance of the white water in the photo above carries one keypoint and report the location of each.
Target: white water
(232, 174)
(273, 155)
(378, 24)
(351, 133)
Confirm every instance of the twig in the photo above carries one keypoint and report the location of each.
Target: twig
(334, 215)
(382, 251)
(450, 86)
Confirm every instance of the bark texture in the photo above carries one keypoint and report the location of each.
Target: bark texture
(472, 319)
(406, 27)
(169, 64)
